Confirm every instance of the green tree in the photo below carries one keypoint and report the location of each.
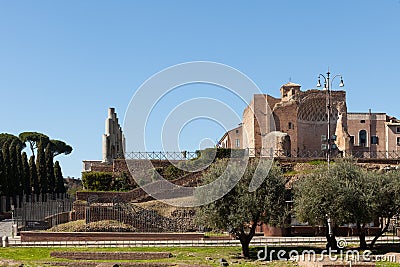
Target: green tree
(26, 172)
(7, 138)
(60, 187)
(34, 138)
(2, 175)
(239, 211)
(343, 193)
(41, 170)
(13, 173)
(359, 196)
(50, 169)
(59, 147)
(316, 200)
(20, 170)
(386, 206)
(6, 168)
(34, 182)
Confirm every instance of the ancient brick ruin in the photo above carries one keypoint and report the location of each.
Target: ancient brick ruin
(300, 121)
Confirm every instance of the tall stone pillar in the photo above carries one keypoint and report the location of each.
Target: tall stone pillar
(113, 140)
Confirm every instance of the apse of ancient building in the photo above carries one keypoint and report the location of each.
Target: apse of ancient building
(297, 122)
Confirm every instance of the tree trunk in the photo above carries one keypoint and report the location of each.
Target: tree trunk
(245, 247)
(331, 240)
(246, 238)
(361, 235)
(380, 233)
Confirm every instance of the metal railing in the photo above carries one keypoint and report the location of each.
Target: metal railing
(266, 152)
(160, 155)
(129, 217)
(43, 214)
(377, 154)
(263, 152)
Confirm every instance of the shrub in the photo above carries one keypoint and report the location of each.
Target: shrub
(122, 183)
(97, 181)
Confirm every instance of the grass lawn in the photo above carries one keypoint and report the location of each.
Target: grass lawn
(196, 256)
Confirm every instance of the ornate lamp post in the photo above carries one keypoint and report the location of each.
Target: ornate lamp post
(327, 86)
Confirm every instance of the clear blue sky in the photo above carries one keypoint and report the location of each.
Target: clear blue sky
(63, 63)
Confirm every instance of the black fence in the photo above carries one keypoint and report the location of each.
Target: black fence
(184, 155)
(117, 215)
(37, 212)
(265, 152)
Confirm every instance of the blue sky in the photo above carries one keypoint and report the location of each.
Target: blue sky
(63, 63)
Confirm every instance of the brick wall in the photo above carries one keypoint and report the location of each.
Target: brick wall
(373, 124)
(110, 255)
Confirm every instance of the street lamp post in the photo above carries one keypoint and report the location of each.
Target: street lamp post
(328, 85)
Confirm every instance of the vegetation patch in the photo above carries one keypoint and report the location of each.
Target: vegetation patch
(107, 181)
(100, 226)
(317, 162)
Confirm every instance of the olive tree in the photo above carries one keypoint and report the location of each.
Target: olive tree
(386, 205)
(239, 211)
(348, 194)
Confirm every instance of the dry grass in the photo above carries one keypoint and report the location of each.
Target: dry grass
(100, 226)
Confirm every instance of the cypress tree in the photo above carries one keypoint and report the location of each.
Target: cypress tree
(20, 170)
(41, 170)
(6, 165)
(2, 176)
(34, 183)
(27, 175)
(50, 169)
(13, 171)
(60, 188)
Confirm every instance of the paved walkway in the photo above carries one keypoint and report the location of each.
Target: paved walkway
(5, 227)
(256, 241)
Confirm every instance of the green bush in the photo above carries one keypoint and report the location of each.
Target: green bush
(106, 181)
(121, 183)
(97, 181)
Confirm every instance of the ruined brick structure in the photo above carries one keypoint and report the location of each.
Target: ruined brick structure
(299, 122)
(113, 139)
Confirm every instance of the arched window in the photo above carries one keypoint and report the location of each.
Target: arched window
(362, 137)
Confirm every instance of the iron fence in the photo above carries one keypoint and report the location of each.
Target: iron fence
(183, 155)
(40, 215)
(264, 152)
(377, 154)
(130, 217)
